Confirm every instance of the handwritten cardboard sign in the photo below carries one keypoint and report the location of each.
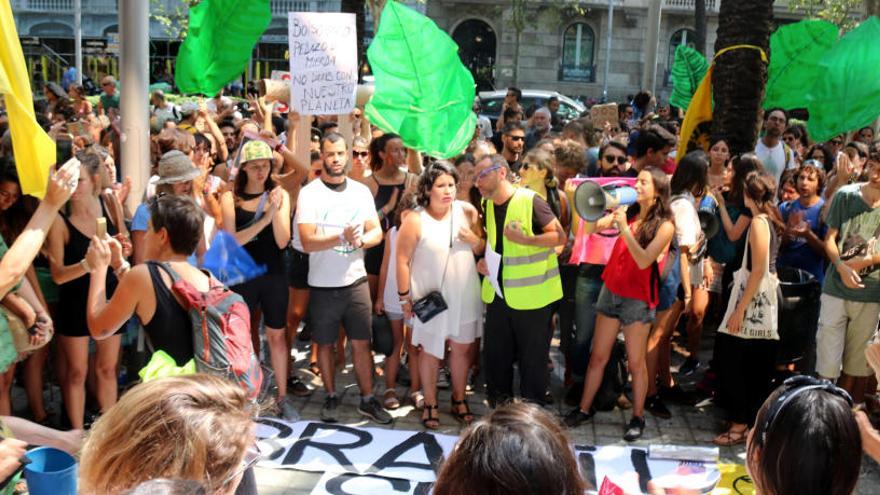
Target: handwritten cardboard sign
(600, 114)
(323, 62)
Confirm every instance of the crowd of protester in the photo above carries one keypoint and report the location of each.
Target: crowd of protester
(471, 262)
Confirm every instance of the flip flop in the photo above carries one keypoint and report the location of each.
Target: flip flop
(730, 438)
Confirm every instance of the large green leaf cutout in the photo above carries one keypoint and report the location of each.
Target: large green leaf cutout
(687, 71)
(423, 92)
(221, 37)
(795, 52)
(847, 95)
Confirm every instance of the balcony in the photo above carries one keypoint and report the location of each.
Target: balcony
(280, 8)
(65, 6)
(688, 5)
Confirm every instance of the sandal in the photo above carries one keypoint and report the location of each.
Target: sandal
(314, 368)
(466, 417)
(418, 400)
(432, 422)
(731, 437)
(391, 402)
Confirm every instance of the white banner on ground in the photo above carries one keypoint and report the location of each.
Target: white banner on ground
(376, 460)
(335, 448)
(323, 62)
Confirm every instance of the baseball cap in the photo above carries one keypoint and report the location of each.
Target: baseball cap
(255, 150)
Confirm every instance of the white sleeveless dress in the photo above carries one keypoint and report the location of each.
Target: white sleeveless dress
(463, 321)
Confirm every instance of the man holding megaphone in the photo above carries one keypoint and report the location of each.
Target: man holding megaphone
(521, 282)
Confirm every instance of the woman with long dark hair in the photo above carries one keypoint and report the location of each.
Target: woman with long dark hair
(688, 184)
(631, 292)
(435, 252)
(67, 244)
(257, 213)
(747, 342)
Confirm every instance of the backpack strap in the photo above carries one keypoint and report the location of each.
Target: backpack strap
(167, 268)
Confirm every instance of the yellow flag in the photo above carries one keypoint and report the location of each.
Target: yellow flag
(34, 149)
(697, 124)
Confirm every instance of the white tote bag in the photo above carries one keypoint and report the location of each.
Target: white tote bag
(761, 320)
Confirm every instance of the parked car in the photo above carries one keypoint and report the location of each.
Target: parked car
(532, 99)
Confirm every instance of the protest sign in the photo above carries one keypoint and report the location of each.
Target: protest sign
(284, 76)
(604, 114)
(374, 460)
(323, 62)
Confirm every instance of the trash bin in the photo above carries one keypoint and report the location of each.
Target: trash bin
(798, 316)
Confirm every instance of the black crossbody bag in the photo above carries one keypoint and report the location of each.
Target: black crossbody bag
(426, 308)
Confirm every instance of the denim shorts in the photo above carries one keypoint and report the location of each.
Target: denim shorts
(627, 310)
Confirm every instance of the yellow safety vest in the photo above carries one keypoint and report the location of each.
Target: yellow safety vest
(530, 278)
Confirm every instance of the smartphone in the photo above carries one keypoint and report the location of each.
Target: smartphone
(101, 227)
(63, 149)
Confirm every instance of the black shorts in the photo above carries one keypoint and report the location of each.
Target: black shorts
(268, 293)
(297, 269)
(347, 306)
(373, 258)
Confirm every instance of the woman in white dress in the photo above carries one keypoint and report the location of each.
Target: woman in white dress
(435, 252)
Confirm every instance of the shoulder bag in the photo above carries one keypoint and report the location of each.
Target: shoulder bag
(761, 320)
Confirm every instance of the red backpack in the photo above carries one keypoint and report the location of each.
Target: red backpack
(221, 327)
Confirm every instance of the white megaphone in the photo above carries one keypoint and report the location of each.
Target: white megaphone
(708, 217)
(592, 200)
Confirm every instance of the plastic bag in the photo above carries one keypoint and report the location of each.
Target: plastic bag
(230, 263)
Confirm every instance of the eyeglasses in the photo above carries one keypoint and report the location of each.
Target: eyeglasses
(251, 456)
(488, 171)
(794, 386)
(621, 160)
(360, 154)
(516, 138)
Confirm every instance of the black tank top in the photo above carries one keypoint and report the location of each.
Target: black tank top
(170, 329)
(383, 197)
(262, 247)
(73, 295)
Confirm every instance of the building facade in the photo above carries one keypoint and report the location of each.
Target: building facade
(566, 49)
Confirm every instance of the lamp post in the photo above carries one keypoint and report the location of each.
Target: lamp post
(134, 36)
(608, 50)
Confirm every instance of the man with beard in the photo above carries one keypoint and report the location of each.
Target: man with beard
(773, 153)
(540, 127)
(513, 140)
(337, 221)
(651, 147)
(613, 162)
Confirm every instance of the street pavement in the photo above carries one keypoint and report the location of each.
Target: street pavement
(689, 425)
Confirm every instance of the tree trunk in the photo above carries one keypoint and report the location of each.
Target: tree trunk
(872, 7)
(357, 7)
(700, 25)
(740, 74)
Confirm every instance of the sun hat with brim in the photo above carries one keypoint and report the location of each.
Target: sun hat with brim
(255, 150)
(175, 167)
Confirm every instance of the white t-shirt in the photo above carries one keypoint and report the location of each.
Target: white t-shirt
(331, 211)
(687, 223)
(774, 159)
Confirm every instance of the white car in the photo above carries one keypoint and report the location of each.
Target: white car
(532, 99)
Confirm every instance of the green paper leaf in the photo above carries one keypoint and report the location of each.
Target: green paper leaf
(687, 71)
(847, 96)
(423, 92)
(795, 52)
(221, 37)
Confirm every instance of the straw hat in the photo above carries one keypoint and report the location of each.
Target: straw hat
(174, 167)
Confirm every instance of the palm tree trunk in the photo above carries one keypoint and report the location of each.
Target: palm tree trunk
(700, 25)
(740, 75)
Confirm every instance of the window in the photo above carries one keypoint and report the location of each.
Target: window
(577, 54)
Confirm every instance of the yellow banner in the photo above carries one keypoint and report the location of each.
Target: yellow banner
(34, 150)
(697, 124)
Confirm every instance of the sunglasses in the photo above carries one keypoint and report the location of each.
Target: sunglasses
(516, 138)
(488, 171)
(794, 386)
(360, 154)
(621, 160)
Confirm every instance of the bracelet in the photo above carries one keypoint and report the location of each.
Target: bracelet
(401, 294)
(85, 265)
(123, 269)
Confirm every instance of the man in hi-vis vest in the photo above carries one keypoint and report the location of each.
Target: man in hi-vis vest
(520, 289)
